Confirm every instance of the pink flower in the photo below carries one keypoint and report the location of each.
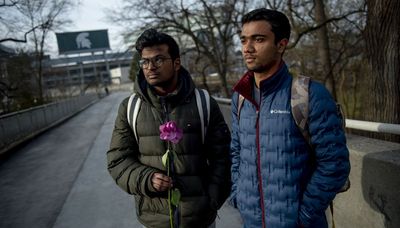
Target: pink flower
(170, 132)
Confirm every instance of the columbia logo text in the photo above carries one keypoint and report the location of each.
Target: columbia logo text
(277, 111)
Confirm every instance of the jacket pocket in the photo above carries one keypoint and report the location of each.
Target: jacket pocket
(155, 205)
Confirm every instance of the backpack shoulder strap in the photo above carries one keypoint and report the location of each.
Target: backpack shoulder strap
(299, 103)
(135, 102)
(203, 106)
(240, 104)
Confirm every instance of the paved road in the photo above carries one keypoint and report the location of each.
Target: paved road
(60, 180)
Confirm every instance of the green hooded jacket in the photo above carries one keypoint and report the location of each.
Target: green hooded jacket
(202, 171)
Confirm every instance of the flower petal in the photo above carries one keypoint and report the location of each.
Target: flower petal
(169, 131)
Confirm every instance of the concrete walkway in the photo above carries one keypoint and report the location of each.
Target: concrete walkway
(60, 179)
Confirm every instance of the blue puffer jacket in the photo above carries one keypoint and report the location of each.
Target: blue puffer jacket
(277, 181)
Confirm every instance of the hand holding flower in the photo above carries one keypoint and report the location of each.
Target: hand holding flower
(161, 182)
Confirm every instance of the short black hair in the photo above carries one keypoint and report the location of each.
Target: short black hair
(279, 22)
(152, 37)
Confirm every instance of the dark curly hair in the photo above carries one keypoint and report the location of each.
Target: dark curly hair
(152, 37)
(279, 22)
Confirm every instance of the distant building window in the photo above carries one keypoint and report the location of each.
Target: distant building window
(88, 70)
(72, 72)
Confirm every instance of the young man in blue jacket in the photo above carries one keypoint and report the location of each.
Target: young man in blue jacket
(280, 179)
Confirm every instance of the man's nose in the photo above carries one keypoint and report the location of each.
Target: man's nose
(248, 47)
(152, 65)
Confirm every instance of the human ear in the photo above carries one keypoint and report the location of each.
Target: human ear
(177, 63)
(282, 44)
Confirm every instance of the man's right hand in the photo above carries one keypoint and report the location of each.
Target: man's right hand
(161, 182)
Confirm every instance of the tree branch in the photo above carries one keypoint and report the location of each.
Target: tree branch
(25, 36)
(314, 28)
(4, 4)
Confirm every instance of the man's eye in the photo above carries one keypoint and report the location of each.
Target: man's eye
(158, 60)
(259, 39)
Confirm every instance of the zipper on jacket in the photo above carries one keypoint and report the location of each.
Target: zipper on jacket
(260, 186)
(164, 108)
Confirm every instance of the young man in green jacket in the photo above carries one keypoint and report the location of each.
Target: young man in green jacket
(199, 171)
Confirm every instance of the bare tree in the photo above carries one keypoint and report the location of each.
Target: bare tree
(324, 49)
(383, 49)
(20, 40)
(8, 3)
(12, 5)
(35, 19)
(16, 86)
(313, 25)
(208, 27)
(348, 58)
(13, 35)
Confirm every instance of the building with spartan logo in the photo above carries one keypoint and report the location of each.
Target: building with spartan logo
(85, 62)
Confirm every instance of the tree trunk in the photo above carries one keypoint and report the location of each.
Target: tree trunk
(383, 50)
(204, 80)
(324, 49)
(226, 92)
(40, 67)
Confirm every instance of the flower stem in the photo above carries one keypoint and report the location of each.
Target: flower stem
(170, 210)
(169, 193)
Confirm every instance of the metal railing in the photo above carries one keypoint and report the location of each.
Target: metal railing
(17, 127)
(352, 124)
(373, 126)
